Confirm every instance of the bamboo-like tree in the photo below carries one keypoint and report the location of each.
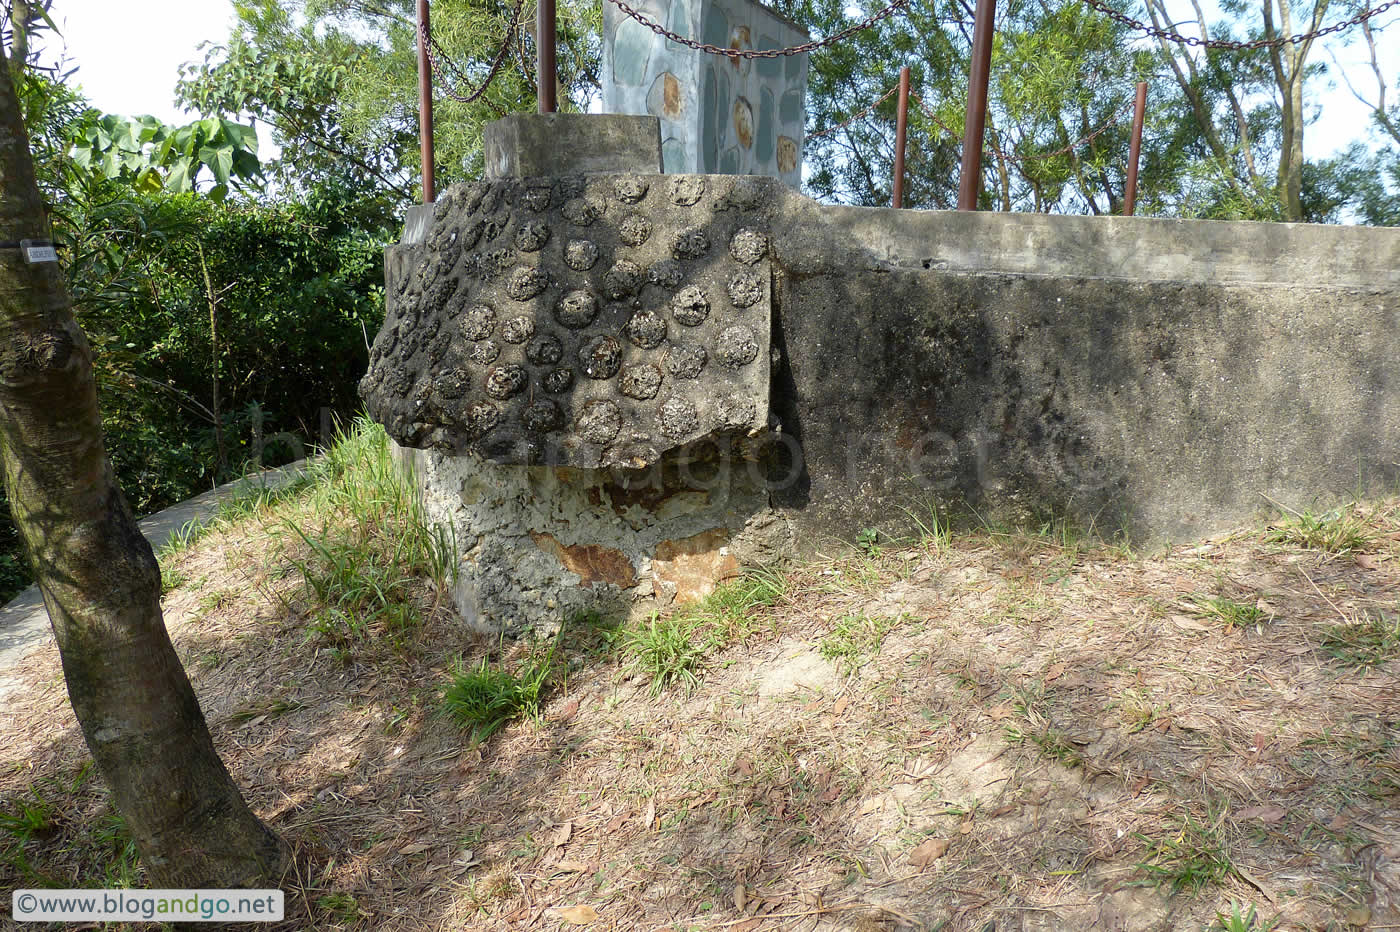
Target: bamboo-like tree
(99, 577)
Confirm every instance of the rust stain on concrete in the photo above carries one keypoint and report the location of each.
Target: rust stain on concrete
(695, 565)
(592, 563)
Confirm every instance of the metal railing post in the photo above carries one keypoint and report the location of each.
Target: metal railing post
(546, 76)
(1135, 149)
(900, 125)
(979, 73)
(425, 105)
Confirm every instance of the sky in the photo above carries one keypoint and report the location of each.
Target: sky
(128, 54)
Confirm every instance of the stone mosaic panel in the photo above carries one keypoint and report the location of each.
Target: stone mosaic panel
(743, 116)
(592, 321)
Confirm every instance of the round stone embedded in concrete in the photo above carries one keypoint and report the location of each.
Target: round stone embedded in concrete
(691, 244)
(646, 330)
(545, 350)
(690, 306)
(580, 255)
(623, 280)
(576, 310)
(543, 415)
(518, 329)
(630, 188)
(634, 230)
(745, 290)
(678, 417)
(736, 347)
(640, 381)
(666, 273)
(531, 236)
(748, 246)
(687, 190)
(525, 283)
(558, 381)
(685, 362)
(601, 357)
(507, 381)
(600, 422)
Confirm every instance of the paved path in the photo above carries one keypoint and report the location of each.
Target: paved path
(24, 623)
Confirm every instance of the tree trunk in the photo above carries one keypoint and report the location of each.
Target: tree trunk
(99, 578)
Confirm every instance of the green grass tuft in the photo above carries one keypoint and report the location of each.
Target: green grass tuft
(1340, 530)
(1193, 858)
(1366, 643)
(1240, 919)
(488, 697)
(1229, 612)
(669, 650)
(856, 638)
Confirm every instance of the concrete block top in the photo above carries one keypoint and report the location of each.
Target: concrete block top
(587, 321)
(524, 145)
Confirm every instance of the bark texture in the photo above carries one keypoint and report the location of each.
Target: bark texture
(99, 578)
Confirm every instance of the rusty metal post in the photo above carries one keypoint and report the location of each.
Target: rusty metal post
(545, 35)
(425, 105)
(1135, 149)
(979, 73)
(901, 123)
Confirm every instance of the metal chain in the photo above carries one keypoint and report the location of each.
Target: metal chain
(851, 119)
(437, 58)
(1231, 45)
(660, 30)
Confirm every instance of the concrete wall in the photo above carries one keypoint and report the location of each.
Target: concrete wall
(718, 115)
(1161, 378)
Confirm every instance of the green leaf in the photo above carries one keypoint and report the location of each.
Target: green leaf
(180, 177)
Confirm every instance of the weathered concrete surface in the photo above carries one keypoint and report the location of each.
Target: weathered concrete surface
(579, 321)
(1159, 379)
(527, 145)
(1155, 377)
(541, 545)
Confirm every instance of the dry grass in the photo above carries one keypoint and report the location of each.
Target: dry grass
(1006, 733)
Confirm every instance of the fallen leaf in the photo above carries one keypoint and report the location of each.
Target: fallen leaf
(1187, 623)
(1268, 814)
(741, 897)
(1003, 810)
(1359, 917)
(871, 804)
(1072, 680)
(928, 852)
(573, 867)
(1139, 785)
(649, 819)
(965, 828)
(567, 711)
(562, 834)
(742, 766)
(578, 915)
(414, 848)
(1053, 672)
(997, 713)
(840, 706)
(1367, 561)
(748, 925)
(1339, 823)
